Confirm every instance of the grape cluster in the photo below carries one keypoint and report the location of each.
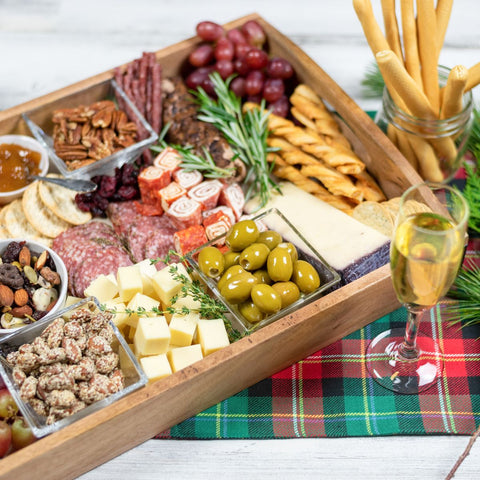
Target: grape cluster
(115, 188)
(240, 51)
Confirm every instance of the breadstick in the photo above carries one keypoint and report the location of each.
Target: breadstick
(473, 77)
(452, 103)
(428, 163)
(397, 78)
(276, 159)
(391, 27)
(336, 201)
(443, 12)
(293, 175)
(405, 147)
(428, 51)
(371, 29)
(410, 44)
(370, 188)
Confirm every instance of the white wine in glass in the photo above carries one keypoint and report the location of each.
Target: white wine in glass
(426, 252)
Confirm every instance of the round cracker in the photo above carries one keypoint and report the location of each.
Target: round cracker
(19, 227)
(375, 216)
(39, 216)
(3, 229)
(61, 201)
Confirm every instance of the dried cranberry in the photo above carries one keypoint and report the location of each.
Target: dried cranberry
(98, 212)
(129, 175)
(100, 202)
(38, 314)
(127, 192)
(108, 186)
(11, 252)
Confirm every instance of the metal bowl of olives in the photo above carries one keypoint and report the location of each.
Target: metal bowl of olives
(265, 271)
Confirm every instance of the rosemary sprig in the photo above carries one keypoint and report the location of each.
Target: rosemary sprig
(245, 132)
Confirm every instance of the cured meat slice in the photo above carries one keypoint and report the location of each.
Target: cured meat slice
(233, 197)
(159, 244)
(185, 212)
(206, 193)
(189, 239)
(187, 178)
(169, 159)
(216, 225)
(122, 215)
(221, 208)
(150, 180)
(170, 194)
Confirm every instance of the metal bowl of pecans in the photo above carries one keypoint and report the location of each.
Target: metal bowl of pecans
(33, 283)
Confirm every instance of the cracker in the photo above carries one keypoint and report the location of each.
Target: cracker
(61, 201)
(19, 227)
(3, 229)
(41, 217)
(374, 215)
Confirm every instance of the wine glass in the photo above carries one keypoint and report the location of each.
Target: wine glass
(426, 252)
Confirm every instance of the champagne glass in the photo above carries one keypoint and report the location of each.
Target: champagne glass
(426, 252)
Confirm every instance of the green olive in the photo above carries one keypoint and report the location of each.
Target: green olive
(266, 298)
(305, 276)
(279, 265)
(238, 288)
(270, 238)
(211, 261)
(231, 258)
(251, 312)
(288, 291)
(262, 276)
(241, 235)
(254, 256)
(291, 249)
(229, 273)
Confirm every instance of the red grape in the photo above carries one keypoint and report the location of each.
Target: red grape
(254, 82)
(280, 107)
(241, 66)
(209, 31)
(241, 49)
(279, 68)
(208, 86)
(254, 99)
(238, 86)
(273, 89)
(8, 407)
(5, 438)
(236, 36)
(21, 434)
(256, 59)
(196, 78)
(224, 68)
(254, 33)
(201, 56)
(224, 49)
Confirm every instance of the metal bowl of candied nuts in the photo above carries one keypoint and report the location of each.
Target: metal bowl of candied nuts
(33, 283)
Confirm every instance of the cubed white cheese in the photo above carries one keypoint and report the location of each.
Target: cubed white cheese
(182, 328)
(182, 357)
(118, 310)
(152, 336)
(212, 335)
(156, 367)
(129, 282)
(165, 285)
(102, 288)
(138, 303)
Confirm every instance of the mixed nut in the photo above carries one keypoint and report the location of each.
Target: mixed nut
(29, 285)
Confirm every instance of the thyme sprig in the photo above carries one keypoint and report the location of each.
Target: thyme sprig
(245, 132)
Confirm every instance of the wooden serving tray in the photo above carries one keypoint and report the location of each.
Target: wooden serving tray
(143, 414)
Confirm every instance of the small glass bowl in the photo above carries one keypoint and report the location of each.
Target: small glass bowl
(133, 374)
(39, 121)
(273, 219)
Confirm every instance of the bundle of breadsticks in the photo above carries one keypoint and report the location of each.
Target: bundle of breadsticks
(316, 156)
(411, 75)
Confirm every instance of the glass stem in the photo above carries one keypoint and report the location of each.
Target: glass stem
(408, 350)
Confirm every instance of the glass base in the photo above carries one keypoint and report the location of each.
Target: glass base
(396, 373)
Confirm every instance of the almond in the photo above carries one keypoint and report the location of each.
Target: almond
(24, 257)
(6, 296)
(42, 259)
(21, 311)
(21, 297)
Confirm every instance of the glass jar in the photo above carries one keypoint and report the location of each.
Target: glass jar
(435, 148)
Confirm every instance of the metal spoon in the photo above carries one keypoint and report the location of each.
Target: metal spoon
(76, 184)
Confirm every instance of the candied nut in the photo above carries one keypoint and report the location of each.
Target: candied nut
(72, 351)
(73, 329)
(28, 388)
(39, 406)
(98, 345)
(6, 296)
(56, 354)
(24, 257)
(107, 333)
(106, 363)
(40, 347)
(61, 381)
(12, 357)
(20, 312)
(18, 376)
(52, 369)
(60, 398)
(25, 348)
(118, 380)
(27, 361)
(50, 276)
(54, 333)
(21, 297)
(42, 260)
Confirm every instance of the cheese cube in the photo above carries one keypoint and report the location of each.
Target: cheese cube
(118, 309)
(152, 336)
(141, 302)
(187, 301)
(212, 335)
(147, 271)
(71, 300)
(102, 288)
(165, 285)
(182, 357)
(156, 367)
(129, 282)
(182, 328)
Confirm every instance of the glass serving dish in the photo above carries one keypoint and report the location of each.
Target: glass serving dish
(134, 377)
(39, 121)
(273, 219)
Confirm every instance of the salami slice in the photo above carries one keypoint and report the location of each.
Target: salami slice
(159, 244)
(187, 178)
(190, 238)
(185, 212)
(206, 193)
(123, 215)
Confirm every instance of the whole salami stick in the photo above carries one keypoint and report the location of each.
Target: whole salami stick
(157, 97)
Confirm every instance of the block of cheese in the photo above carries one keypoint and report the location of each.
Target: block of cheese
(165, 285)
(118, 309)
(212, 335)
(182, 357)
(350, 247)
(152, 336)
(147, 271)
(129, 282)
(184, 301)
(141, 302)
(102, 288)
(182, 328)
(156, 367)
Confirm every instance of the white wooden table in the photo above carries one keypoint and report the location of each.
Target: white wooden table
(47, 44)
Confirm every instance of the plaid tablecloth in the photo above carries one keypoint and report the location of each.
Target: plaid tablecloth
(329, 394)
